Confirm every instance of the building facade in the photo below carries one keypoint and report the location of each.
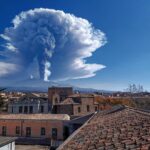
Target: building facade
(58, 94)
(40, 126)
(77, 106)
(29, 104)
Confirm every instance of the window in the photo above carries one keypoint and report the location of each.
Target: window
(88, 108)
(4, 130)
(42, 131)
(17, 130)
(42, 109)
(56, 100)
(95, 108)
(54, 133)
(20, 109)
(28, 131)
(31, 109)
(25, 109)
(12, 109)
(66, 132)
(61, 99)
(79, 109)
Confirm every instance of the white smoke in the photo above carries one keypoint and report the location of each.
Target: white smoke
(6, 68)
(58, 42)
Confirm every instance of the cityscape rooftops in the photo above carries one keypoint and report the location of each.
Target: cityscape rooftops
(121, 128)
(29, 98)
(82, 95)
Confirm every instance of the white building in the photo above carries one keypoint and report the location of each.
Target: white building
(7, 143)
(29, 104)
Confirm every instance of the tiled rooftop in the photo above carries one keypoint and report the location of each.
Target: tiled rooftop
(68, 101)
(34, 117)
(28, 98)
(120, 129)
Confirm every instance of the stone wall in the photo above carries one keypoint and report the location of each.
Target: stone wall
(63, 109)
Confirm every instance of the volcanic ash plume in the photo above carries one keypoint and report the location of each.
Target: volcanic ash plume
(57, 42)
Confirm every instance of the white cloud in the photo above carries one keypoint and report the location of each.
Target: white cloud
(59, 41)
(7, 68)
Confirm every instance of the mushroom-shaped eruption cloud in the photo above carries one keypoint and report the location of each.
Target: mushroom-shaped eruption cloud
(49, 44)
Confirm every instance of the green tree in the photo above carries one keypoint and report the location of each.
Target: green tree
(1, 99)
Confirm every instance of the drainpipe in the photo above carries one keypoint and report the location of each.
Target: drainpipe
(22, 127)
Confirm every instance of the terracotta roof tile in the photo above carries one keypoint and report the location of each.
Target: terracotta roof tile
(119, 129)
(68, 101)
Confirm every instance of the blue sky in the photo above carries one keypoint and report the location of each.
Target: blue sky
(127, 28)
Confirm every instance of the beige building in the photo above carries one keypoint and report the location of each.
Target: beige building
(77, 105)
(39, 126)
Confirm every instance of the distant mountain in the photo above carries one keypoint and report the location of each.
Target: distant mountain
(90, 90)
(45, 89)
(41, 86)
(26, 89)
(32, 86)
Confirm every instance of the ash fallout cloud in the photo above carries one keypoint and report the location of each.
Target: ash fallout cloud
(50, 44)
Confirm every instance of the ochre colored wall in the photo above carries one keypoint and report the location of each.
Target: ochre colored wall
(35, 125)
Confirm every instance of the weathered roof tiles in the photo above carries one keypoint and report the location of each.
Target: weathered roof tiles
(120, 129)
